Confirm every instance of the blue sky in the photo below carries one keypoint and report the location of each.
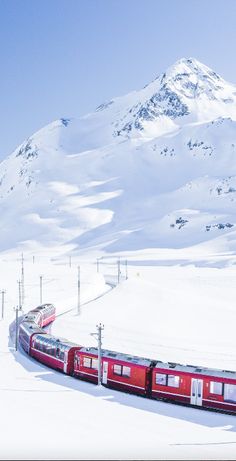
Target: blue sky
(62, 58)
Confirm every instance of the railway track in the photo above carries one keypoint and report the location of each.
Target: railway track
(112, 286)
(12, 326)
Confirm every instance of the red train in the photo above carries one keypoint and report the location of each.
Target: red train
(186, 384)
(42, 315)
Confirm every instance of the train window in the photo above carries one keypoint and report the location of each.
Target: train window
(58, 352)
(126, 371)
(48, 350)
(172, 381)
(117, 370)
(216, 388)
(230, 392)
(95, 364)
(161, 379)
(87, 362)
(45, 346)
(51, 348)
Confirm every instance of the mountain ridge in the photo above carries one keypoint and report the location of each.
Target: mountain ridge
(152, 168)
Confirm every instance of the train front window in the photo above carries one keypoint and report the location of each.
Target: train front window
(216, 388)
(161, 379)
(230, 393)
(173, 381)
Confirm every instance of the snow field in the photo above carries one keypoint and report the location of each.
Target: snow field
(53, 416)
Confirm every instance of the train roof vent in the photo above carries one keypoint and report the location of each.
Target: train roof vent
(112, 354)
(198, 369)
(172, 365)
(228, 371)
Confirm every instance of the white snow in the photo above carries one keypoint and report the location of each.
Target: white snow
(166, 309)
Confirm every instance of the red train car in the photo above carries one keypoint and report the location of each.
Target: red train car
(186, 384)
(26, 332)
(55, 352)
(86, 364)
(192, 385)
(46, 312)
(119, 371)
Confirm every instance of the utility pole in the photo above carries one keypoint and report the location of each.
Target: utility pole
(99, 327)
(17, 328)
(78, 292)
(97, 265)
(126, 269)
(19, 295)
(41, 289)
(33, 259)
(118, 271)
(22, 280)
(70, 261)
(3, 294)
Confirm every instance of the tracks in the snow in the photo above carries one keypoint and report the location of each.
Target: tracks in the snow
(111, 284)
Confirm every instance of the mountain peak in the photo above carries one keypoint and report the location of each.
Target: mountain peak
(187, 92)
(192, 69)
(189, 62)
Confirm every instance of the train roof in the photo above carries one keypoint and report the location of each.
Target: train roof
(56, 340)
(31, 314)
(118, 356)
(196, 370)
(43, 306)
(170, 366)
(31, 327)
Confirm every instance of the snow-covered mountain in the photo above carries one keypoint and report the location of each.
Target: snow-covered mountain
(154, 168)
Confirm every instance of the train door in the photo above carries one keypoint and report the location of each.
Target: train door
(104, 372)
(196, 392)
(65, 361)
(148, 381)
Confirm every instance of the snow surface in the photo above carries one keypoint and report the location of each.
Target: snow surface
(166, 309)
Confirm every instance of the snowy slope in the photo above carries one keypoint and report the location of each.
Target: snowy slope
(154, 168)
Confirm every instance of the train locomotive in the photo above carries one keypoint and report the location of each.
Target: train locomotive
(184, 384)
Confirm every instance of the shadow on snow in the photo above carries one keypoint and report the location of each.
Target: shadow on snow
(199, 416)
